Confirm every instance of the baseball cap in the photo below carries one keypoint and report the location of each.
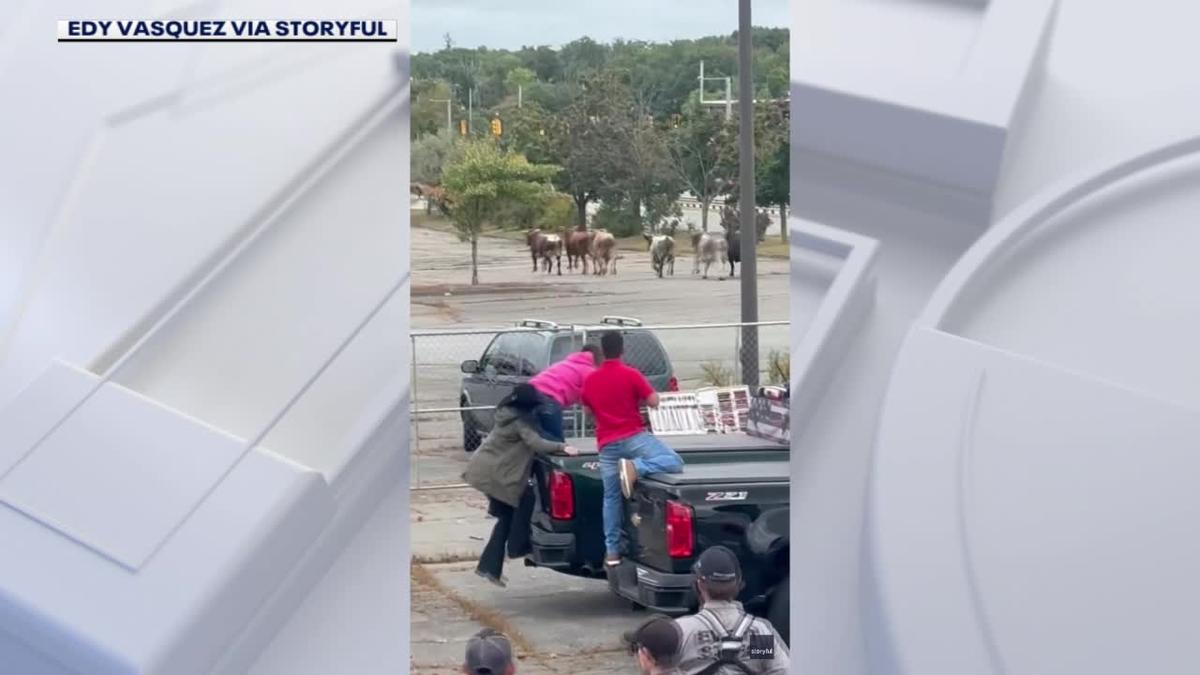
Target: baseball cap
(660, 636)
(488, 653)
(718, 564)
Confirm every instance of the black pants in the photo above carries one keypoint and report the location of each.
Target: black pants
(511, 531)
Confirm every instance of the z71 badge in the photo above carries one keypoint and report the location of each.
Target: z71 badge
(727, 496)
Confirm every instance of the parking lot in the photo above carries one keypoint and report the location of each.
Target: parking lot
(559, 623)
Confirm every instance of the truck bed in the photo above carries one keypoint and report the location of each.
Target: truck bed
(697, 443)
(724, 473)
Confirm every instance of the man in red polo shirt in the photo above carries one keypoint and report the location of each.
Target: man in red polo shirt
(614, 393)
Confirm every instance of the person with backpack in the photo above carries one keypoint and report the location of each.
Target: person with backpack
(500, 469)
(722, 638)
(560, 386)
(489, 652)
(655, 645)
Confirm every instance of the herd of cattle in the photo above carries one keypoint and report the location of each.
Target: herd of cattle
(599, 246)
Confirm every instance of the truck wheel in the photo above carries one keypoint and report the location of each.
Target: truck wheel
(779, 611)
(471, 437)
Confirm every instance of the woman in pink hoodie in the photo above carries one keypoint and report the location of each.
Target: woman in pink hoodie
(560, 386)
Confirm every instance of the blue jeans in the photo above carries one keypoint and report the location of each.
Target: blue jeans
(650, 455)
(550, 418)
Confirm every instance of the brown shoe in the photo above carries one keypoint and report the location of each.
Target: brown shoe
(628, 473)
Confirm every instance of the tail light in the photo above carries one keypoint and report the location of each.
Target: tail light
(562, 496)
(672, 384)
(680, 538)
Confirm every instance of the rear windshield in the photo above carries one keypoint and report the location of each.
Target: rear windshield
(642, 351)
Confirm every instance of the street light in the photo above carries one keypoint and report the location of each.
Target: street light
(749, 233)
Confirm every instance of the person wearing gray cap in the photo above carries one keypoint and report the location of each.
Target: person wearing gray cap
(489, 653)
(722, 638)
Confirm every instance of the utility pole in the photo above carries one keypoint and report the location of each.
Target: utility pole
(520, 92)
(749, 230)
(470, 110)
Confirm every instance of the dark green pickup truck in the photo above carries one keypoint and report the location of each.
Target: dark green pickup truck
(734, 491)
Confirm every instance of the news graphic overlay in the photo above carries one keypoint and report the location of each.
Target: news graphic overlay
(227, 30)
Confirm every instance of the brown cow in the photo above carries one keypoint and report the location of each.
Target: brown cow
(579, 245)
(604, 252)
(544, 248)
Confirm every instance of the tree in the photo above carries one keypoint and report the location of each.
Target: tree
(640, 174)
(428, 113)
(525, 132)
(704, 156)
(771, 185)
(557, 213)
(429, 157)
(583, 57)
(773, 159)
(519, 77)
(586, 139)
(483, 180)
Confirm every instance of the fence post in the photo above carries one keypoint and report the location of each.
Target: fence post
(415, 447)
(737, 354)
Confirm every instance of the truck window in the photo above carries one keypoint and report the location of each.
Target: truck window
(563, 346)
(642, 351)
(505, 354)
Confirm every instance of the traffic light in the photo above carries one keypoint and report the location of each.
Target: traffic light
(462, 127)
(497, 128)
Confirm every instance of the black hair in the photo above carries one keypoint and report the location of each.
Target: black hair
(594, 351)
(721, 591)
(523, 397)
(660, 636)
(612, 344)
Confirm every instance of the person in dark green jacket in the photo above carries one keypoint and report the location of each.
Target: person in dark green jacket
(500, 469)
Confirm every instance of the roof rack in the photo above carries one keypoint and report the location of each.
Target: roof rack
(620, 321)
(537, 323)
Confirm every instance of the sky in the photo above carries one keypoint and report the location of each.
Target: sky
(511, 24)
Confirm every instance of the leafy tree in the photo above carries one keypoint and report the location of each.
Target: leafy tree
(525, 131)
(519, 77)
(615, 217)
(429, 157)
(704, 156)
(481, 181)
(622, 120)
(640, 174)
(557, 213)
(583, 57)
(543, 61)
(771, 185)
(585, 139)
(428, 112)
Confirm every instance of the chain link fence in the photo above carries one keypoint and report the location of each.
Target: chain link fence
(459, 375)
